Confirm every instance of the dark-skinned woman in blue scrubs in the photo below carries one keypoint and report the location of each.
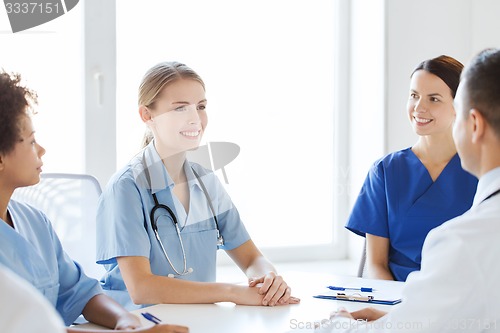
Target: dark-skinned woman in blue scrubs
(31, 251)
(409, 192)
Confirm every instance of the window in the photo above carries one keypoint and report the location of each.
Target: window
(269, 71)
(50, 60)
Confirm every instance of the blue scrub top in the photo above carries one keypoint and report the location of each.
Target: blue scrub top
(124, 226)
(33, 251)
(399, 201)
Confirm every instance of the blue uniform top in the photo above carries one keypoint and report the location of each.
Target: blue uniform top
(33, 251)
(400, 201)
(124, 226)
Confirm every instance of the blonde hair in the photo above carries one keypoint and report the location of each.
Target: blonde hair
(156, 79)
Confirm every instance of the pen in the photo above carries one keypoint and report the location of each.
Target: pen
(151, 317)
(362, 289)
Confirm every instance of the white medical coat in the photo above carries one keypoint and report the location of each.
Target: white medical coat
(23, 309)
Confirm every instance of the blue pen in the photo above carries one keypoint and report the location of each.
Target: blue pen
(151, 317)
(362, 289)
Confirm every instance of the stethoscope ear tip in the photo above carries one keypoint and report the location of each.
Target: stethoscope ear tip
(190, 270)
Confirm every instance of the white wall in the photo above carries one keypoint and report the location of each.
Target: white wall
(366, 102)
(403, 33)
(100, 85)
(418, 30)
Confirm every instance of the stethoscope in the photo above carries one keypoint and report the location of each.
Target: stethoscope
(154, 226)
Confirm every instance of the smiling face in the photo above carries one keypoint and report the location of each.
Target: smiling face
(430, 104)
(23, 165)
(178, 116)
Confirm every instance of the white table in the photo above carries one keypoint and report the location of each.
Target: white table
(231, 318)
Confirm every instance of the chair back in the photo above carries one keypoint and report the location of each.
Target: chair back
(70, 203)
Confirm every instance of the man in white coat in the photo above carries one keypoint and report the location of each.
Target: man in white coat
(457, 288)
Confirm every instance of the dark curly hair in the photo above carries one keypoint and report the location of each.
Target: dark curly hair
(15, 101)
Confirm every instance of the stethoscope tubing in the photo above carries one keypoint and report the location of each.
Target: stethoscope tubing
(154, 226)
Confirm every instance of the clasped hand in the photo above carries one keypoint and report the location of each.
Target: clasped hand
(274, 288)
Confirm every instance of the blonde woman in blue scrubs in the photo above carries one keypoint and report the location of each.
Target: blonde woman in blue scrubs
(409, 192)
(168, 255)
(29, 246)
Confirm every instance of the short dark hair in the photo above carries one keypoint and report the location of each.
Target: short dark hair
(446, 68)
(15, 102)
(481, 80)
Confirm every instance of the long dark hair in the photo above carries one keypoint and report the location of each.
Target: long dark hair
(446, 68)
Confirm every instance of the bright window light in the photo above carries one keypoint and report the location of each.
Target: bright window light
(268, 69)
(50, 60)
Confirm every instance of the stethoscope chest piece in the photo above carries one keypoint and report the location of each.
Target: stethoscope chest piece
(220, 239)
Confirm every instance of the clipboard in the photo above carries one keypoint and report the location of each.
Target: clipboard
(359, 297)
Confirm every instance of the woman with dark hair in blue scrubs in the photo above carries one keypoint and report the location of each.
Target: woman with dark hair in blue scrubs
(409, 192)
